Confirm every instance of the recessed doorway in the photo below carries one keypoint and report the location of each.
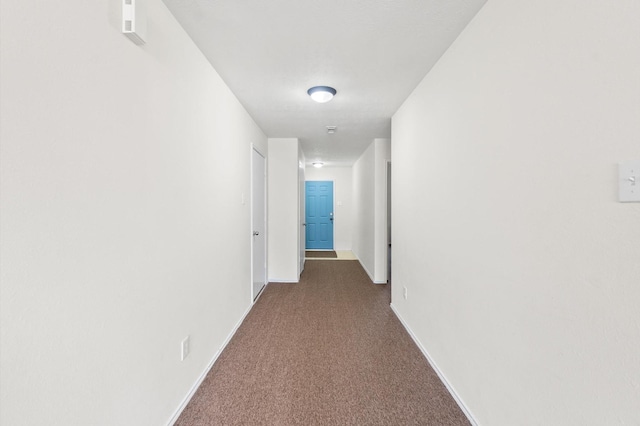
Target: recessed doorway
(319, 215)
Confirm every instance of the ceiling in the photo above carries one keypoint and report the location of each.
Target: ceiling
(373, 52)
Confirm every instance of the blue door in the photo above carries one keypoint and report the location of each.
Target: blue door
(319, 215)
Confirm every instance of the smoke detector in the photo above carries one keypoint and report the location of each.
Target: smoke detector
(332, 129)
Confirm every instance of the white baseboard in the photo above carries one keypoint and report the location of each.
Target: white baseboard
(444, 380)
(369, 273)
(198, 382)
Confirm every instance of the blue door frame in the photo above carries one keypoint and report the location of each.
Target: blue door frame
(319, 215)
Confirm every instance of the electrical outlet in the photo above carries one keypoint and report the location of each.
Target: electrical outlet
(185, 348)
(405, 293)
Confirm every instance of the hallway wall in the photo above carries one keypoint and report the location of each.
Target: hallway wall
(369, 233)
(521, 266)
(125, 215)
(283, 218)
(343, 203)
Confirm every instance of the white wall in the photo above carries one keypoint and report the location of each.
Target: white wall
(369, 209)
(283, 210)
(522, 268)
(363, 236)
(123, 170)
(342, 207)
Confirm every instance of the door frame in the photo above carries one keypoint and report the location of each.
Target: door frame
(388, 213)
(302, 226)
(254, 297)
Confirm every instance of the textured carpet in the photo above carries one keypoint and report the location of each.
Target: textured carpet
(326, 351)
(328, 254)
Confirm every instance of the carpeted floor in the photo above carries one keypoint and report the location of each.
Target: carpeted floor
(327, 254)
(326, 351)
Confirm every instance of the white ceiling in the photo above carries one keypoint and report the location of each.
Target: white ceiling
(373, 52)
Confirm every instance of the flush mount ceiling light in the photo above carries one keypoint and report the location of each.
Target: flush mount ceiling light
(322, 94)
(318, 164)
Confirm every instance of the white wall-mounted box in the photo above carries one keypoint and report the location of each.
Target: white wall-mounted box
(134, 20)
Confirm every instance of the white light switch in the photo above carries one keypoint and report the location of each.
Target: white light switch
(629, 182)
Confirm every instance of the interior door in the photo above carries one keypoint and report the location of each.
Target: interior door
(301, 214)
(258, 221)
(319, 215)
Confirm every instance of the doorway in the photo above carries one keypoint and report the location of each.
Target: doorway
(319, 215)
(258, 223)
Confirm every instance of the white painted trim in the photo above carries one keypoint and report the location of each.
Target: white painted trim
(369, 273)
(302, 215)
(259, 296)
(277, 281)
(200, 379)
(444, 380)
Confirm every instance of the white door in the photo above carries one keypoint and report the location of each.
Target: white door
(301, 207)
(258, 221)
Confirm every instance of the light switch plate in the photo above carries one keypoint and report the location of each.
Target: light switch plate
(629, 181)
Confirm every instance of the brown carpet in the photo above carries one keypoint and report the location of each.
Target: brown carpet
(327, 254)
(326, 351)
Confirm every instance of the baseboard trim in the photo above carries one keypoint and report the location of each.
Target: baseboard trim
(444, 380)
(365, 269)
(369, 273)
(201, 378)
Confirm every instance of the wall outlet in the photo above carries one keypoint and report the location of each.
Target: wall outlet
(185, 348)
(404, 293)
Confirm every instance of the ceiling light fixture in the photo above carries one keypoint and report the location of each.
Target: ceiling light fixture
(332, 129)
(318, 164)
(322, 94)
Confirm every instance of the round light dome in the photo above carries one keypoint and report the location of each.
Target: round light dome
(322, 94)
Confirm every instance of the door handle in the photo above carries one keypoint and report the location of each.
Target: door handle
(256, 233)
